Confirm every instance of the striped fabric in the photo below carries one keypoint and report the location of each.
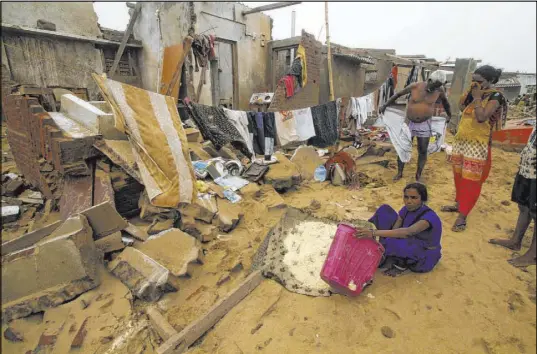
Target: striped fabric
(158, 141)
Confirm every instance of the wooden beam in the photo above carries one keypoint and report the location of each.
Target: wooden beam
(180, 342)
(159, 323)
(7, 28)
(277, 5)
(126, 36)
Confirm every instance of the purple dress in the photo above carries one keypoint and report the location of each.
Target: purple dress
(420, 252)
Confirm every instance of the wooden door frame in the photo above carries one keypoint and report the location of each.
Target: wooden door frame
(234, 69)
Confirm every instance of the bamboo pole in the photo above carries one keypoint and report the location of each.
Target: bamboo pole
(330, 82)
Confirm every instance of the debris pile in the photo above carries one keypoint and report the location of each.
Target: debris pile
(97, 196)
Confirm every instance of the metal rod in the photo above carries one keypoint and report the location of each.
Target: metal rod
(277, 5)
(330, 82)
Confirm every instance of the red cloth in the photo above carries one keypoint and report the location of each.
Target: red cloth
(289, 85)
(468, 192)
(394, 75)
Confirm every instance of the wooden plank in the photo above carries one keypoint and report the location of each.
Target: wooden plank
(159, 323)
(180, 342)
(126, 36)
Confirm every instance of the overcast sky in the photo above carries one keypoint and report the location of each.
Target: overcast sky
(502, 34)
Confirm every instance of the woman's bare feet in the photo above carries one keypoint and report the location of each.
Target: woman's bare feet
(510, 244)
(523, 261)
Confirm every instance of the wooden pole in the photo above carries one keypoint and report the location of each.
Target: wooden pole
(126, 36)
(330, 82)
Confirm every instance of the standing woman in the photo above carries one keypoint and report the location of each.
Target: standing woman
(483, 110)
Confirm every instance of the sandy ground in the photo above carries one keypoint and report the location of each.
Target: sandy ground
(473, 302)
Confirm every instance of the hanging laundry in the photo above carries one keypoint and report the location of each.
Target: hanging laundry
(395, 71)
(288, 82)
(216, 127)
(239, 120)
(399, 133)
(293, 126)
(269, 127)
(256, 130)
(203, 49)
(438, 134)
(296, 70)
(301, 54)
(326, 124)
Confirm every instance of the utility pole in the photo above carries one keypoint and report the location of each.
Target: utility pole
(330, 82)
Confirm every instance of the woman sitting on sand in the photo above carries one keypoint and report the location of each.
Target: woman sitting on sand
(411, 238)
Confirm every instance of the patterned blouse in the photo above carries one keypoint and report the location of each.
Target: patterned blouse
(528, 158)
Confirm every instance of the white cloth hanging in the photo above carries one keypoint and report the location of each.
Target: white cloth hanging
(399, 133)
(292, 126)
(239, 120)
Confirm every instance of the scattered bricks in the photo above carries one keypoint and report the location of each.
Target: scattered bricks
(136, 232)
(10, 213)
(203, 232)
(282, 175)
(12, 188)
(56, 270)
(208, 147)
(145, 277)
(175, 250)
(158, 225)
(104, 220)
(120, 153)
(307, 160)
(12, 335)
(29, 239)
(77, 195)
(192, 135)
(197, 153)
(227, 153)
(80, 336)
(110, 243)
(228, 216)
(203, 209)
(271, 199)
(251, 190)
(102, 188)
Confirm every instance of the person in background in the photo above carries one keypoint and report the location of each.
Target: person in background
(420, 108)
(483, 108)
(411, 238)
(525, 195)
(517, 100)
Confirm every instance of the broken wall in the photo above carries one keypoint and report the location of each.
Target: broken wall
(47, 62)
(247, 36)
(69, 17)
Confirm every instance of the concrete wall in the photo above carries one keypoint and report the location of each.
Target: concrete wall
(222, 19)
(70, 17)
(45, 62)
(525, 80)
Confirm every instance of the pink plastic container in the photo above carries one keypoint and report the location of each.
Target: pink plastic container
(351, 262)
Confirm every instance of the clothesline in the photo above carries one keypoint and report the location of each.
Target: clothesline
(258, 132)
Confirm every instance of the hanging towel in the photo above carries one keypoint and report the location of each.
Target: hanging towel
(158, 141)
(301, 53)
(293, 126)
(326, 124)
(269, 128)
(216, 127)
(239, 120)
(287, 81)
(399, 133)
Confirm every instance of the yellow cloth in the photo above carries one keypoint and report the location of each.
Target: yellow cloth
(470, 129)
(301, 53)
(158, 141)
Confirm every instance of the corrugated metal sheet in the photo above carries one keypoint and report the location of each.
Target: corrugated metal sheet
(357, 58)
(508, 82)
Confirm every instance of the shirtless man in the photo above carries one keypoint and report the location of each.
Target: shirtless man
(419, 110)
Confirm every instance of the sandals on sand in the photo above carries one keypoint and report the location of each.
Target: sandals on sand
(459, 227)
(396, 271)
(450, 209)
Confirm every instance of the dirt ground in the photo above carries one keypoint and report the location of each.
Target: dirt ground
(473, 301)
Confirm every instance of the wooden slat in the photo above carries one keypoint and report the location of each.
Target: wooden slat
(159, 323)
(180, 342)
(126, 36)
